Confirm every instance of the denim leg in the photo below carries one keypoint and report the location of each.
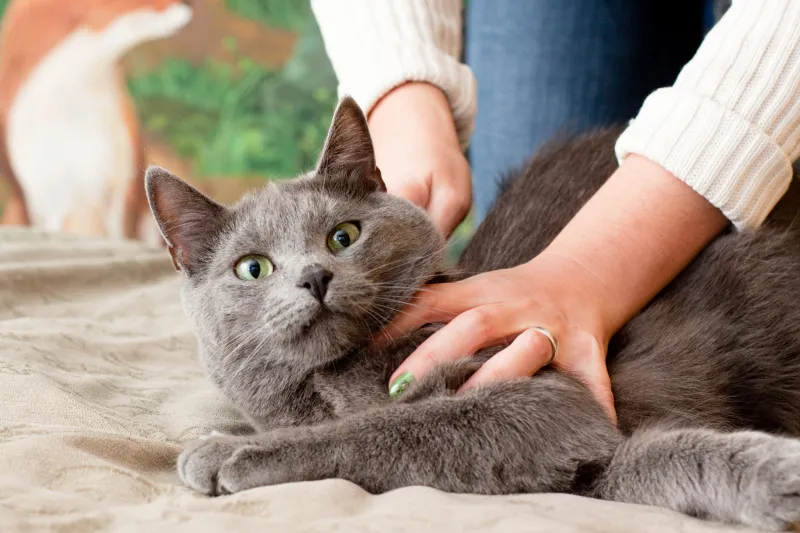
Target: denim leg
(550, 66)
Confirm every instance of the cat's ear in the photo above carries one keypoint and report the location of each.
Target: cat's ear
(348, 153)
(187, 218)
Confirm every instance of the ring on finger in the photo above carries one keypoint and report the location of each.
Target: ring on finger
(550, 337)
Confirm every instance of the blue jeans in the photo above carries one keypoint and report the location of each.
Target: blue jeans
(550, 66)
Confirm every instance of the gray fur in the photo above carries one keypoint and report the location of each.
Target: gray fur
(700, 376)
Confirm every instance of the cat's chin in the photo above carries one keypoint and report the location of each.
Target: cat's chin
(326, 334)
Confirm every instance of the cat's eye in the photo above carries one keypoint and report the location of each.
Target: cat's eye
(253, 267)
(343, 235)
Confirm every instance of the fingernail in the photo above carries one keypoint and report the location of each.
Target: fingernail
(400, 384)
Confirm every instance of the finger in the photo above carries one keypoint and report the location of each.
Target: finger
(466, 334)
(413, 315)
(440, 302)
(529, 352)
(594, 374)
(448, 208)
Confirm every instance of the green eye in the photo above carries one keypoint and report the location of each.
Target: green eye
(253, 267)
(343, 235)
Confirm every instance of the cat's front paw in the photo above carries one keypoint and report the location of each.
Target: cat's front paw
(226, 465)
(201, 460)
(771, 494)
(259, 465)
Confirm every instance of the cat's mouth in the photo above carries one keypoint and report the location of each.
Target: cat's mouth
(344, 321)
(319, 312)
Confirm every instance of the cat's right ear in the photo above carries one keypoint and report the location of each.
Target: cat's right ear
(348, 157)
(186, 217)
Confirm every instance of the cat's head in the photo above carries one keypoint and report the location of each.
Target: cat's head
(302, 271)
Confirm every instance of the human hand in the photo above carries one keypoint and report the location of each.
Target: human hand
(494, 308)
(417, 150)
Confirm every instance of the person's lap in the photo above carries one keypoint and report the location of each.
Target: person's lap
(546, 67)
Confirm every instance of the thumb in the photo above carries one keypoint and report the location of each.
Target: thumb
(448, 208)
(450, 195)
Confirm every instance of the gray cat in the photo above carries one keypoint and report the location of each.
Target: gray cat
(285, 288)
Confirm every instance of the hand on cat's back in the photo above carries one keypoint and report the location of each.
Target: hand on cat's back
(501, 308)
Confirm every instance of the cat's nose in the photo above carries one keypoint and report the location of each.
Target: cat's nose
(316, 279)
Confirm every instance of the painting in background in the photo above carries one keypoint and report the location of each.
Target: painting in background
(242, 94)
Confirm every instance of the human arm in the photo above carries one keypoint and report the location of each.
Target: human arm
(399, 59)
(586, 284)
(723, 136)
(729, 127)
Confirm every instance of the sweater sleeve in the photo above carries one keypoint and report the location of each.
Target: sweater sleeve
(376, 45)
(730, 125)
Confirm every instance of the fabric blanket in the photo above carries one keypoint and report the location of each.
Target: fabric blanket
(99, 388)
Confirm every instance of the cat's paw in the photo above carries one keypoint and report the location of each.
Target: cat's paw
(771, 491)
(201, 460)
(217, 465)
(258, 466)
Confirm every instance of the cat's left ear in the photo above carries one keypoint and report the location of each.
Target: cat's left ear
(348, 153)
(187, 219)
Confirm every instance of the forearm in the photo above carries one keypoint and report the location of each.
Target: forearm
(634, 236)
(728, 127)
(715, 147)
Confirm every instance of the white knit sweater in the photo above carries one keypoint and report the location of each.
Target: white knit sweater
(729, 127)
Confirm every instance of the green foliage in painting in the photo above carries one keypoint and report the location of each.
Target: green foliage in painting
(231, 122)
(243, 118)
(3, 4)
(288, 14)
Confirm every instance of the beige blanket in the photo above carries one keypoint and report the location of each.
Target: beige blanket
(99, 387)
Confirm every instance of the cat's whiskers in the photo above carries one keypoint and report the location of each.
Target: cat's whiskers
(407, 335)
(257, 329)
(247, 339)
(398, 286)
(255, 352)
(369, 285)
(375, 316)
(382, 297)
(404, 261)
(410, 304)
(399, 312)
(237, 341)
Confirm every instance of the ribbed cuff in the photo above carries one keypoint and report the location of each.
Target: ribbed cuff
(391, 66)
(729, 161)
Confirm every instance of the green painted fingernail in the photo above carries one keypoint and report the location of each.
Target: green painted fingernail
(400, 384)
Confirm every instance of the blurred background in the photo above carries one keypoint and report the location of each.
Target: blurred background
(242, 94)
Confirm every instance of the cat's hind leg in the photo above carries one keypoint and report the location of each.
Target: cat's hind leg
(749, 478)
